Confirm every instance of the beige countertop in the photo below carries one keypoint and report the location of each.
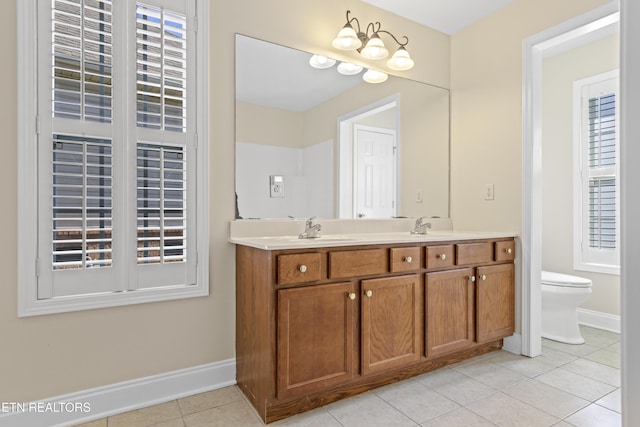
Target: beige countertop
(332, 240)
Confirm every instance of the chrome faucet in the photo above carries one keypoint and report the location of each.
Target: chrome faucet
(421, 227)
(311, 230)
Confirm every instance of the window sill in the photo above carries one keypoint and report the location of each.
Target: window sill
(28, 307)
(598, 268)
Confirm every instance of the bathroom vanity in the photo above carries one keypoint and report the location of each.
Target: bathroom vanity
(327, 318)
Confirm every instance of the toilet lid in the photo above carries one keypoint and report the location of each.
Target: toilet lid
(559, 279)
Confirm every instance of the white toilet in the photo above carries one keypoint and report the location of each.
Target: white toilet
(562, 294)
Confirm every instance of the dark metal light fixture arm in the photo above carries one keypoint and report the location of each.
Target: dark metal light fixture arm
(394, 38)
(350, 20)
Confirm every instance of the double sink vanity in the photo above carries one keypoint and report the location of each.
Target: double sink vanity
(365, 304)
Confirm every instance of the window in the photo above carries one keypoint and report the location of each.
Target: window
(113, 206)
(596, 207)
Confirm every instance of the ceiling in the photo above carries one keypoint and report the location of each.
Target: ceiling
(447, 16)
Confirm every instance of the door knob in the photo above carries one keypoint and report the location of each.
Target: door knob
(302, 268)
(442, 256)
(408, 259)
(508, 250)
(369, 293)
(351, 295)
(483, 277)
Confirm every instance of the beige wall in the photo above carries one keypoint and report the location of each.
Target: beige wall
(486, 112)
(271, 126)
(486, 84)
(55, 354)
(558, 74)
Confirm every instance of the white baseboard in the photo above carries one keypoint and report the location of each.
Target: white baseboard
(113, 399)
(599, 320)
(513, 344)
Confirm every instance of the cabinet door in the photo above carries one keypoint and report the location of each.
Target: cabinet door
(494, 302)
(315, 342)
(391, 322)
(449, 309)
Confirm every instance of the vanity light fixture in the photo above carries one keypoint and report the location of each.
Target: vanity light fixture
(370, 45)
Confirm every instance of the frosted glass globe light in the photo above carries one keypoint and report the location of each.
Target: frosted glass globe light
(373, 76)
(400, 61)
(375, 48)
(347, 39)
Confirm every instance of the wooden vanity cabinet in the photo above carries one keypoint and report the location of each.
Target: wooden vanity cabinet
(391, 331)
(473, 305)
(450, 311)
(316, 329)
(316, 325)
(494, 302)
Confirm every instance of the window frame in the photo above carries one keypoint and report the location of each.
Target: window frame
(27, 157)
(584, 257)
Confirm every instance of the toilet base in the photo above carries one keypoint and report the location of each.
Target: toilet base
(559, 315)
(561, 324)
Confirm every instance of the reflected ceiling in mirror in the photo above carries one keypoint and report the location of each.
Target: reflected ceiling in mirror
(297, 139)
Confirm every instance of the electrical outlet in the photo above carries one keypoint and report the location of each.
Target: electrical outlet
(488, 191)
(276, 186)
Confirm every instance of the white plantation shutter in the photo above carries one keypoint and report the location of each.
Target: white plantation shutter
(76, 150)
(165, 167)
(602, 171)
(82, 59)
(597, 219)
(82, 203)
(161, 204)
(161, 67)
(96, 156)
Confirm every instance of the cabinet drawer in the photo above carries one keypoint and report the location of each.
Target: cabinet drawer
(474, 253)
(365, 262)
(505, 251)
(404, 259)
(299, 268)
(440, 256)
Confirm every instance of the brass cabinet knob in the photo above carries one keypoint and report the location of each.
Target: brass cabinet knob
(483, 277)
(442, 256)
(473, 278)
(508, 250)
(351, 295)
(368, 293)
(302, 268)
(408, 259)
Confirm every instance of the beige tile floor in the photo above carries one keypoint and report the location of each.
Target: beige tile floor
(566, 386)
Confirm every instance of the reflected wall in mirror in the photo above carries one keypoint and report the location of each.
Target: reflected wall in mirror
(313, 142)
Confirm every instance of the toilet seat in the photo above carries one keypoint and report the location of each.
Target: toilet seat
(564, 280)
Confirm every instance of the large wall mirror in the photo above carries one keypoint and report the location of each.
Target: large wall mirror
(314, 142)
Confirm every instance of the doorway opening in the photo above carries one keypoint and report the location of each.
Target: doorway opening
(564, 36)
(368, 156)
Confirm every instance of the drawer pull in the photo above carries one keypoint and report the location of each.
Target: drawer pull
(508, 250)
(473, 278)
(302, 268)
(351, 295)
(483, 277)
(369, 293)
(408, 259)
(442, 256)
